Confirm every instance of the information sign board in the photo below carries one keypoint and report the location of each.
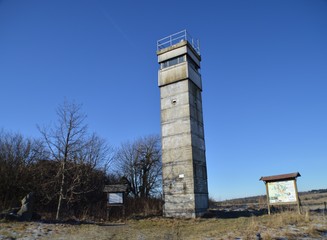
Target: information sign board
(282, 192)
(115, 198)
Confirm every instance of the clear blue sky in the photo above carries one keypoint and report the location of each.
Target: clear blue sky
(264, 73)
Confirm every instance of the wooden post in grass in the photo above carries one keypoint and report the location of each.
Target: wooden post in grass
(267, 198)
(297, 196)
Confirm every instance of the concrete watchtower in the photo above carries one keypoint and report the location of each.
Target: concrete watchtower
(183, 148)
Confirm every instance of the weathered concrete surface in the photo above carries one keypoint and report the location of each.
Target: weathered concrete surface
(183, 146)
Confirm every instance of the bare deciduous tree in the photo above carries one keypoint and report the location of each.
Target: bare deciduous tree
(77, 153)
(140, 163)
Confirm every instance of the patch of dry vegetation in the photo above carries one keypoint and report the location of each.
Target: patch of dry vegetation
(313, 200)
(285, 224)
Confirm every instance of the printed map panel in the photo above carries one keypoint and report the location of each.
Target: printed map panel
(282, 192)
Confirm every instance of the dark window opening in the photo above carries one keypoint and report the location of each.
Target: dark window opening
(172, 62)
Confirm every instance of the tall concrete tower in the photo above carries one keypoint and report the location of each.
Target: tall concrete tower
(183, 149)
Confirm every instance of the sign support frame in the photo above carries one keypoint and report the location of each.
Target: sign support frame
(286, 191)
(116, 195)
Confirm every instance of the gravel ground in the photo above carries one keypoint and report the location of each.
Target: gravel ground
(31, 230)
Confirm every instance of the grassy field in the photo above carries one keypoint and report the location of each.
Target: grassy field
(233, 219)
(309, 201)
(287, 225)
(314, 200)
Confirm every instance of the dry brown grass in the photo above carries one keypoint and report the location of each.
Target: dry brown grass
(313, 200)
(285, 224)
(309, 200)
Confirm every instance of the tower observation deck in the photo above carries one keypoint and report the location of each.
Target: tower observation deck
(176, 38)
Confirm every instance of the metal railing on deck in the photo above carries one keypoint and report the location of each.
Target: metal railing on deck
(176, 38)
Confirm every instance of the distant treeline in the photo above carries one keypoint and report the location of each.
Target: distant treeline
(318, 191)
(246, 200)
(259, 198)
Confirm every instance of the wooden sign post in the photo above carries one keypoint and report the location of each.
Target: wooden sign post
(282, 189)
(116, 197)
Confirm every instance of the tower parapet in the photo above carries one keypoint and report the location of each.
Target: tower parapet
(176, 38)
